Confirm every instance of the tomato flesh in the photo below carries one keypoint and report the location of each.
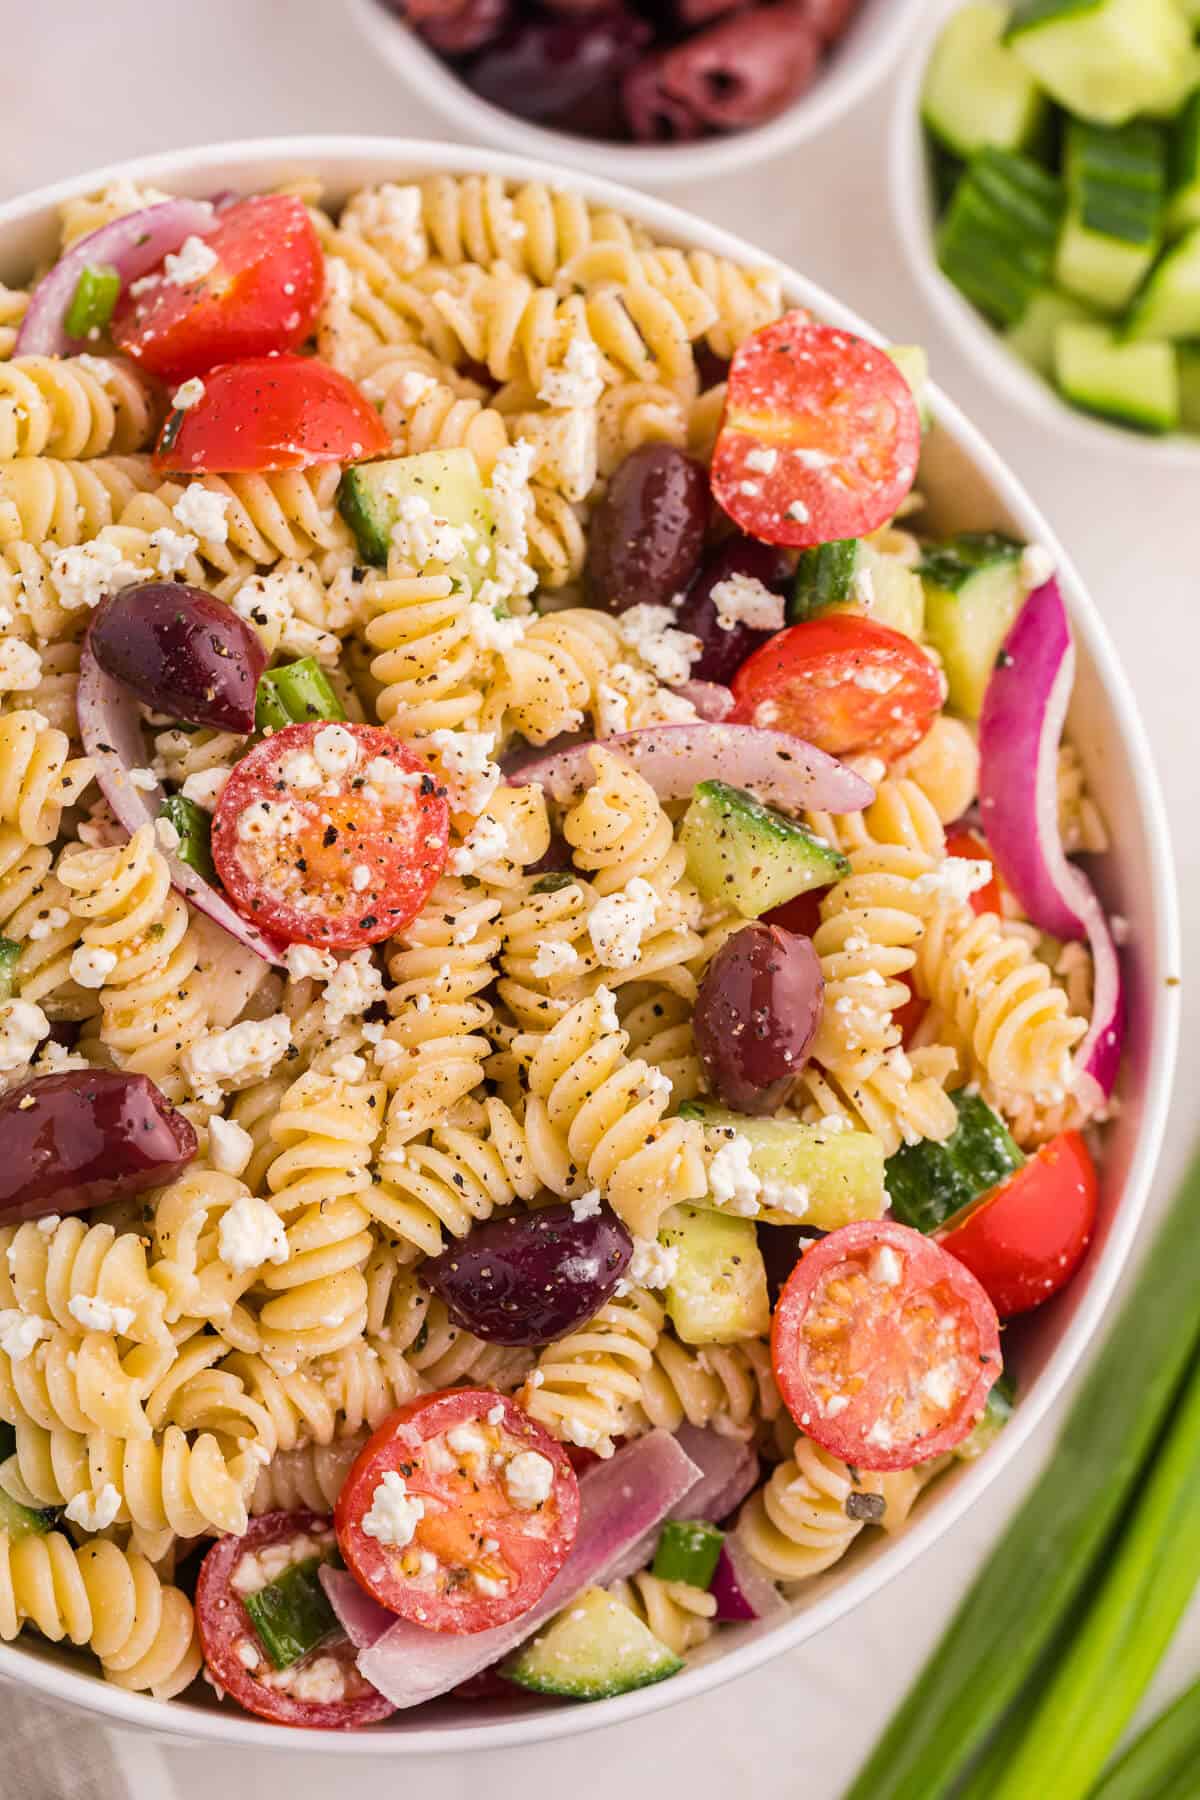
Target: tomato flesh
(986, 899)
(1024, 1241)
(433, 1521)
(801, 915)
(305, 1694)
(271, 412)
(842, 683)
(261, 294)
(884, 1347)
(820, 438)
(317, 857)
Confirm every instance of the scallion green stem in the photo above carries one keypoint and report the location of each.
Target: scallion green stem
(94, 300)
(1166, 1754)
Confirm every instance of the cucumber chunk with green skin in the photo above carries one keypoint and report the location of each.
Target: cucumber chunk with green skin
(10, 955)
(291, 1615)
(16, 1520)
(295, 694)
(913, 363)
(1183, 163)
(1135, 384)
(973, 592)
(825, 577)
(852, 576)
(1106, 59)
(977, 91)
(929, 1183)
(1116, 182)
(996, 1414)
(593, 1650)
(840, 1174)
(688, 1550)
(1168, 303)
(1033, 338)
(194, 827)
(717, 1293)
(997, 239)
(750, 856)
(371, 496)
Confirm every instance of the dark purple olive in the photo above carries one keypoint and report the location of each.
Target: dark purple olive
(182, 651)
(655, 117)
(830, 19)
(83, 1138)
(531, 1277)
(756, 1015)
(648, 531)
(563, 72)
(468, 27)
(710, 368)
(782, 1246)
(726, 650)
(691, 13)
(747, 68)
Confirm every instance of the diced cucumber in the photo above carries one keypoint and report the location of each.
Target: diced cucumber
(1033, 338)
(1136, 384)
(973, 592)
(718, 1291)
(594, 1650)
(371, 494)
(913, 363)
(1183, 185)
(1168, 303)
(1116, 180)
(930, 1182)
(997, 1411)
(688, 1550)
(1106, 59)
(295, 694)
(996, 241)
(194, 828)
(16, 1519)
(10, 955)
(840, 1173)
(1189, 386)
(291, 1615)
(746, 854)
(977, 91)
(852, 576)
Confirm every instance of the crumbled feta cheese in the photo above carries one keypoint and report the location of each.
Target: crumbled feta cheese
(84, 573)
(20, 666)
(336, 751)
(205, 787)
(786, 1196)
(167, 836)
(586, 1206)
(349, 1067)
(394, 1513)
(886, 1267)
(266, 821)
(20, 1332)
(493, 631)
(1036, 566)
(421, 536)
(511, 504)
(94, 1510)
(250, 1233)
(290, 610)
(388, 780)
(761, 460)
(798, 511)
(744, 600)
(471, 778)
(655, 1085)
(143, 779)
(487, 842)
(578, 384)
(606, 1001)
(303, 962)
(353, 988)
(321, 1682)
(191, 262)
(244, 1053)
(199, 509)
(360, 878)
(393, 213)
(618, 923)
(529, 1479)
(95, 1314)
(247, 1655)
(669, 653)
(53, 919)
(91, 966)
(229, 1146)
(652, 1264)
(553, 958)
(188, 394)
(731, 1179)
(955, 879)
(493, 1586)
(940, 1385)
(175, 549)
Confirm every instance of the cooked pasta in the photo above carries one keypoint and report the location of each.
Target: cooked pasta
(78, 406)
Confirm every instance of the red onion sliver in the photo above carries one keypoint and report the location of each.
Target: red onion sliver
(741, 1588)
(780, 769)
(358, 1613)
(712, 701)
(728, 1470)
(133, 245)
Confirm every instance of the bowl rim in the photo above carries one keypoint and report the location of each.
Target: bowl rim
(836, 90)
(203, 167)
(908, 186)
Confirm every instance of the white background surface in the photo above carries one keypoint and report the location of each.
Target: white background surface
(82, 84)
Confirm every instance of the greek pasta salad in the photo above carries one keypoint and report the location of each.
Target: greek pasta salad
(549, 1008)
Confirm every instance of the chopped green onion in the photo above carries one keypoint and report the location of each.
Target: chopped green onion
(195, 834)
(688, 1550)
(1017, 1613)
(1161, 1763)
(93, 301)
(996, 1414)
(9, 954)
(292, 1615)
(295, 693)
(550, 883)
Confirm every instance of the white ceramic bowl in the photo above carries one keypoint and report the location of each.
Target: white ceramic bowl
(913, 208)
(856, 62)
(967, 486)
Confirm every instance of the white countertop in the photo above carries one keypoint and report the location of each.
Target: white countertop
(84, 84)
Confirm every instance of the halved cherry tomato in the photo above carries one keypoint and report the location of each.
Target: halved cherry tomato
(1025, 1239)
(318, 856)
(820, 438)
(459, 1511)
(908, 1017)
(261, 294)
(884, 1346)
(964, 843)
(234, 1653)
(271, 412)
(801, 915)
(843, 683)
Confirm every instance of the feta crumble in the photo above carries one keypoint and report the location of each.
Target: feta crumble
(669, 653)
(94, 1510)
(22, 1028)
(394, 1513)
(587, 1206)
(191, 262)
(353, 988)
(732, 1181)
(91, 966)
(618, 923)
(955, 879)
(20, 666)
(200, 510)
(744, 600)
(250, 1234)
(244, 1053)
(84, 573)
(21, 1332)
(304, 962)
(470, 776)
(95, 1314)
(529, 1479)
(487, 842)
(230, 1146)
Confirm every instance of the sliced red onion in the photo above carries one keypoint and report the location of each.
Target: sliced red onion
(782, 770)
(132, 245)
(111, 729)
(1020, 729)
(712, 701)
(622, 1500)
(741, 1588)
(360, 1616)
(728, 1471)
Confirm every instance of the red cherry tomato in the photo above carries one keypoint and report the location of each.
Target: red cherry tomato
(801, 915)
(908, 1017)
(317, 857)
(844, 684)
(491, 1531)
(261, 294)
(1025, 1239)
(271, 412)
(820, 438)
(884, 1346)
(964, 843)
(234, 1653)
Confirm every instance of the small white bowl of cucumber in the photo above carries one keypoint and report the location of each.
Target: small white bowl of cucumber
(1045, 172)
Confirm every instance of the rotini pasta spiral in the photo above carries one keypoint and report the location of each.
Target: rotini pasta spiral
(536, 229)
(310, 1477)
(68, 502)
(44, 1271)
(80, 406)
(426, 660)
(38, 776)
(35, 913)
(681, 1616)
(729, 1385)
(797, 1524)
(82, 1384)
(588, 1388)
(13, 302)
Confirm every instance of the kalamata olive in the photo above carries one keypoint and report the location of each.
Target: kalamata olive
(83, 1138)
(655, 117)
(692, 13)
(781, 1247)
(563, 72)
(648, 530)
(747, 68)
(831, 18)
(756, 1015)
(531, 1277)
(182, 651)
(725, 650)
(468, 27)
